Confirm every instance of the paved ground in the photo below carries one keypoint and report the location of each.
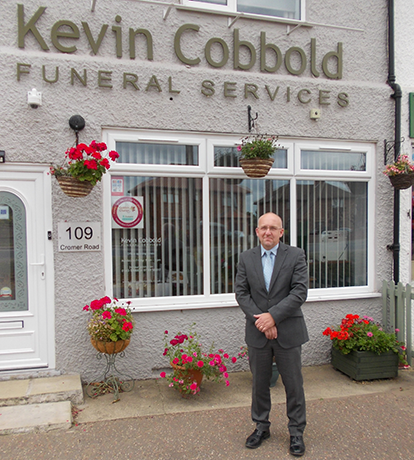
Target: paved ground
(346, 420)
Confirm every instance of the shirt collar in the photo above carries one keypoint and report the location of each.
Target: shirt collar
(274, 250)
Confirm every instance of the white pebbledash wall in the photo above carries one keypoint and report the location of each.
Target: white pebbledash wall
(43, 135)
(404, 70)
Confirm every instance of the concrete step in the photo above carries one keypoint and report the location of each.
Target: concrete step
(38, 404)
(41, 390)
(35, 417)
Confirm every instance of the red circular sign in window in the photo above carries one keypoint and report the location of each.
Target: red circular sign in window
(127, 212)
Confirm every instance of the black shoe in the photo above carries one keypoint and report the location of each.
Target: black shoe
(297, 446)
(256, 438)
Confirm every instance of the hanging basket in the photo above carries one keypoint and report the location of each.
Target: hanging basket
(256, 167)
(73, 187)
(110, 348)
(402, 181)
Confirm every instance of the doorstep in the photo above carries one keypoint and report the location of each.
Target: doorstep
(41, 390)
(35, 417)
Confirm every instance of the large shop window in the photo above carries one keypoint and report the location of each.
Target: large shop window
(274, 8)
(182, 211)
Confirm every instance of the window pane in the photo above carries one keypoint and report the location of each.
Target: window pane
(150, 154)
(229, 157)
(164, 257)
(280, 8)
(235, 206)
(332, 225)
(333, 161)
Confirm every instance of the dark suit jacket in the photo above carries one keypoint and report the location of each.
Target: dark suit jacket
(287, 292)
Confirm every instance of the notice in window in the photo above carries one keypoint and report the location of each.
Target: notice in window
(128, 212)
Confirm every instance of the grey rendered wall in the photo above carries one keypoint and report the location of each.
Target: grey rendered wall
(43, 135)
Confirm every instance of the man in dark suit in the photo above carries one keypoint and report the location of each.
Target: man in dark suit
(271, 286)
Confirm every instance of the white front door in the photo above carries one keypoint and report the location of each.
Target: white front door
(26, 268)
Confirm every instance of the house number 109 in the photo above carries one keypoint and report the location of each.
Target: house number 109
(79, 236)
(80, 233)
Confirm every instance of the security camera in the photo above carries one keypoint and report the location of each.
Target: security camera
(34, 98)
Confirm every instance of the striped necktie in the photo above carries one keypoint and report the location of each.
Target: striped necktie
(268, 267)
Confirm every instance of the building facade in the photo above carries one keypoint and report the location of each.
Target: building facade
(173, 88)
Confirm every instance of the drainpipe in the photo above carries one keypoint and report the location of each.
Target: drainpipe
(397, 139)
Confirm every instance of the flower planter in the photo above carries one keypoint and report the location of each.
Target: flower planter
(188, 375)
(366, 365)
(402, 181)
(73, 187)
(110, 348)
(256, 167)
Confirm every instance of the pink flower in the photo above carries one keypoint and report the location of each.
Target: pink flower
(189, 359)
(106, 315)
(113, 155)
(227, 383)
(175, 361)
(212, 363)
(200, 363)
(162, 375)
(397, 330)
(127, 326)
(193, 386)
(370, 334)
(96, 305)
(86, 307)
(225, 375)
(121, 311)
(234, 359)
(226, 356)
(165, 332)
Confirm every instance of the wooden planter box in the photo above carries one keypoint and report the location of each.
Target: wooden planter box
(365, 365)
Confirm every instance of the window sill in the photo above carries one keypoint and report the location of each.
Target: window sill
(313, 297)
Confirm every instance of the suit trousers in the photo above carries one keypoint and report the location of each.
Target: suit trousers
(289, 364)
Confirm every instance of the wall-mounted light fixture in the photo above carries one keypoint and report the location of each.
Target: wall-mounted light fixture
(77, 123)
(34, 98)
(2, 156)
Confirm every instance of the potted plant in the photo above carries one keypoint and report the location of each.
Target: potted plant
(191, 362)
(256, 154)
(110, 324)
(84, 165)
(400, 173)
(363, 350)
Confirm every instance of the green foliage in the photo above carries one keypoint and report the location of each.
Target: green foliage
(85, 162)
(356, 334)
(258, 146)
(186, 351)
(110, 320)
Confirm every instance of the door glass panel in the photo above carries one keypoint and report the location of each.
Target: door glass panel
(13, 254)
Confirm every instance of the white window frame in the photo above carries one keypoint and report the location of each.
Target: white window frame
(231, 9)
(206, 170)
